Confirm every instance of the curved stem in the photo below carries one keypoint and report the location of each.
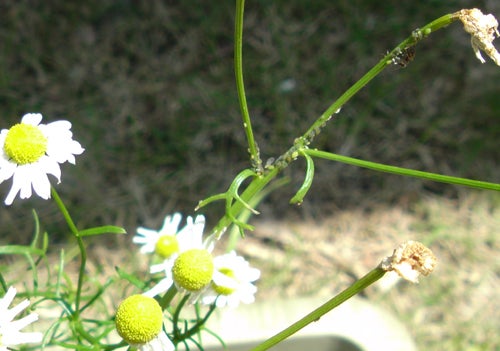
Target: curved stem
(403, 171)
(302, 142)
(175, 319)
(258, 183)
(83, 253)
(335, 107)
(198, 325)
(355, 288)
(240, 87)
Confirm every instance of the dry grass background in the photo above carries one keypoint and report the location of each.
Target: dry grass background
(456, 308)
(149, 89)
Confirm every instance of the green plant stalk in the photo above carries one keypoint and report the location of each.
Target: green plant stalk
(371, 277)
(234, 234)
(198, 325)
(322, 120)
(256, 185)
(403, 171)
(175, 320)
(81, 246)
(372, 73)
(168, 297)
(260, 182)
(240, 87)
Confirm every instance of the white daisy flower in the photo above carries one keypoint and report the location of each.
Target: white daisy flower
(191, 267)
(164, 241)
(232, 282)
(139, 321)
(10, 330)
(29, 151)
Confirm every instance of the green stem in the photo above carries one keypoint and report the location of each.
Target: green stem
(168, 297)
(256, 185)
(302, 142)
(334, 108)
(355, 288)
(240, 87)
(403, 171)
(81, 246)
(198, 325)
(175, 319)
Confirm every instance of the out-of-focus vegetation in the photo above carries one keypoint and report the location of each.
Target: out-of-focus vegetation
(149, 88)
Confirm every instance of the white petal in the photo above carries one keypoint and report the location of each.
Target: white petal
(7, 169)
(21, 338)
(25, 321)
(60, 125)
(32, 118)
(41, 185)
(160, 343)
(50, 166)
(171, 224)
(7, 299)
(162, 286)
(19, 182)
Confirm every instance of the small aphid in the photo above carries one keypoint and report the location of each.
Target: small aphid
(404, 57)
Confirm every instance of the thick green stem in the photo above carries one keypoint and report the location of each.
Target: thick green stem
(168, 297)
(315, 315)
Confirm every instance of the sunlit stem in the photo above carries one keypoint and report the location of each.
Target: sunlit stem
(302, 142)
(240, 87)
(81, 246)
(198, 325)
(168, 297)
(256, 185)
(315, 315)
(322, 120)
(403, 171)
(175, 318)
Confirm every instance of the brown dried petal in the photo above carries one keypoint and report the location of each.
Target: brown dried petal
(483, 30)
(410, 260)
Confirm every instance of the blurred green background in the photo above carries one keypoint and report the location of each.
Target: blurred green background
(149, 88)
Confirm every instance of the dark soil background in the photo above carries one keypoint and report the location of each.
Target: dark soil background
(149, 88)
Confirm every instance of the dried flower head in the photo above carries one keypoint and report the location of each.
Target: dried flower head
(410, 260)
(483, 30)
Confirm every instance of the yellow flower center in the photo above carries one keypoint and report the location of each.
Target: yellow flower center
(224, 290)
(138, 319)
(193, 269)
(166, 246)
(25, 143)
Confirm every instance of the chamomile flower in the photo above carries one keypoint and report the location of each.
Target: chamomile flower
(30, 151)
(164, 241)
(139, 321)
(191, 268)
(232, 282)
(10, 330)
